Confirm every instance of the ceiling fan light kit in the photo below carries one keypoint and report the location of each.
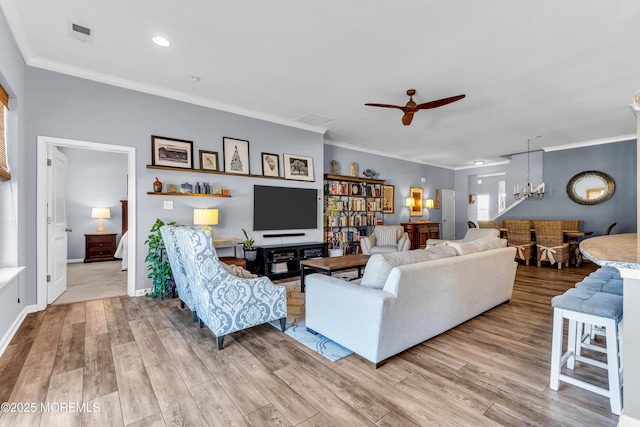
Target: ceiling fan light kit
(411, 108)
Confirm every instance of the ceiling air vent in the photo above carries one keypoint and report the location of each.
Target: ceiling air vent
(80, 32)
(313, 119)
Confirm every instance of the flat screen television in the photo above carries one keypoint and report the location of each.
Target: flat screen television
(284, 208)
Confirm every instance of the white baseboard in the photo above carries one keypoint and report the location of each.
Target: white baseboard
(73, 261)
(626, 421)
(142, 292)
(6, 339)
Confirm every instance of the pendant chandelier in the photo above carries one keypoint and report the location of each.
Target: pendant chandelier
(529, 192)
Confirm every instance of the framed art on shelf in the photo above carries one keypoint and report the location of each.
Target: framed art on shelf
(236, 155)
(297, 167)
(387, 198)
(209, 160)
(270, 165)
(172, 152)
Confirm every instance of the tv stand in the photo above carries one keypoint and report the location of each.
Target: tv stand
(283, 260)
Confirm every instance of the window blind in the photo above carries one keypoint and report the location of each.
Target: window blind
(4, 167)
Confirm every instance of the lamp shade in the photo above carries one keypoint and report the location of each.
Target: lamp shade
(428, 204)
(205, 216)
(410, 202)
(100, 213)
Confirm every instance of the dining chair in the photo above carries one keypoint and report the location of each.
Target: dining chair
(608, 230)
(519, 236)
(574, 250)
(489, 224)
(550, 242)
(471, 224)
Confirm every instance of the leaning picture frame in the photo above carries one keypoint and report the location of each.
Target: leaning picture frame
(209, 160)
(236, 155)
(270, 165)
(417, 194)
(171, 152)
(299, 168)
(387, 198)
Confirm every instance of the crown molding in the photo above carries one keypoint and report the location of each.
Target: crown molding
(14, 20)
(610, 140)
(84, 73)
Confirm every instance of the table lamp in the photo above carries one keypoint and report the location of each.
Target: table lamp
(429, 205)
(100, 213)
(206, 217)
(410, 203)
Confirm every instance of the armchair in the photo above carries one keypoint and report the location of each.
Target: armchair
(177, 270)
(385, 239)
(224, 302)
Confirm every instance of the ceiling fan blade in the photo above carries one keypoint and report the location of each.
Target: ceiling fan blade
(406, 119)
(440, 102)
(385, 106)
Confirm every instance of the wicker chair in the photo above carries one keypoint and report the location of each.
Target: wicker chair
(519, 236)
(488, 224)
(549, 240)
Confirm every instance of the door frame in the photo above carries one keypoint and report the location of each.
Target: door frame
(42, 185)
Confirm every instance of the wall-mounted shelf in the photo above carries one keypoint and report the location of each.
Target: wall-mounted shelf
(189, 194)
(169, 168)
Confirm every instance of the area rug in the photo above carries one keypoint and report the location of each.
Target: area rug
(316, 342)
(297, 329)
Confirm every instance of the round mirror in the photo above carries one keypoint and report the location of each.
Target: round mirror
(590, 187)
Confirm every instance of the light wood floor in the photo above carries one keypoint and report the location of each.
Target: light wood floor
(141, 362)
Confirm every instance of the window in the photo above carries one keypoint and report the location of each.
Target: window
(483, 207)
(4, 167)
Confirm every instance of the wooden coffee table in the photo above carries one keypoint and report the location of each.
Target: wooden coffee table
(329, 265)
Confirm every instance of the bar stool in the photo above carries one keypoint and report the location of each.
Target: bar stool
(595, 308)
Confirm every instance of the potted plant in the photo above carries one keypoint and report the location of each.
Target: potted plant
(250, 250)
(336, 245)
(159, 267)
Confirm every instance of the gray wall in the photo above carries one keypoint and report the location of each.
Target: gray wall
(105, 114)
(94, 179)
(616, 159)
(13, 249)
(401, 174)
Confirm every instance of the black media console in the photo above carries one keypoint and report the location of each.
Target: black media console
(280, 261)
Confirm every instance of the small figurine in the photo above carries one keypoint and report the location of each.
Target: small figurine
(157, 186)
(334, 167)
(353, 168)
(370, 173)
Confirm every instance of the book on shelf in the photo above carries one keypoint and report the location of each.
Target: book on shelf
(279, 267)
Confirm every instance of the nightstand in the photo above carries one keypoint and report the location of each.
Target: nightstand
(99, 247)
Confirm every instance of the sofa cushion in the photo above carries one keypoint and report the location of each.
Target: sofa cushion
(480, 233)
(379, 265)
(386, 236)
(478, 245)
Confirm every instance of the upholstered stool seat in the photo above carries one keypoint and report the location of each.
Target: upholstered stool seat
(601, 309)
(612, 286)
(606, 273)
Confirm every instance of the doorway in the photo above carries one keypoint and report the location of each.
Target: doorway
(44, 143)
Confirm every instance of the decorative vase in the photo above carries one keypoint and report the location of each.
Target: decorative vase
(250, 254)
(157, 186)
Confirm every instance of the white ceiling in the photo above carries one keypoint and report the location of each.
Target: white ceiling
(566, 70)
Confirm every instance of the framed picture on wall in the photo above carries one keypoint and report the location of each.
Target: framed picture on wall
(387, 198)
(209, 160)
(299, 168)
(172, 152)
(416, 193)
(270, 165)
(236, 155)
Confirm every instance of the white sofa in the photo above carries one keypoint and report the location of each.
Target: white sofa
(471, 235)
(417, 301)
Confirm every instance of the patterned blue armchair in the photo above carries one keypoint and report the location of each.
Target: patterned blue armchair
(177, 269)
(224, 302)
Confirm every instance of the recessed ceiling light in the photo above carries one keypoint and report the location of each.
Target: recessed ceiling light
(161, 41)
(479, 162)
(193, 79)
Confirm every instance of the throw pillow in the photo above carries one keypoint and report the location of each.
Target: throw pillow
(380, 265)
(478, 245)
(386, 236)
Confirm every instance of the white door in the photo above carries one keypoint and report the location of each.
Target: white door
(448, 215)
(57, 225)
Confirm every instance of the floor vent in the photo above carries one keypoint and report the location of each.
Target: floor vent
(80, 32)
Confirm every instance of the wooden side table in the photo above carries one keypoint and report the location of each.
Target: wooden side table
(99, 247)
